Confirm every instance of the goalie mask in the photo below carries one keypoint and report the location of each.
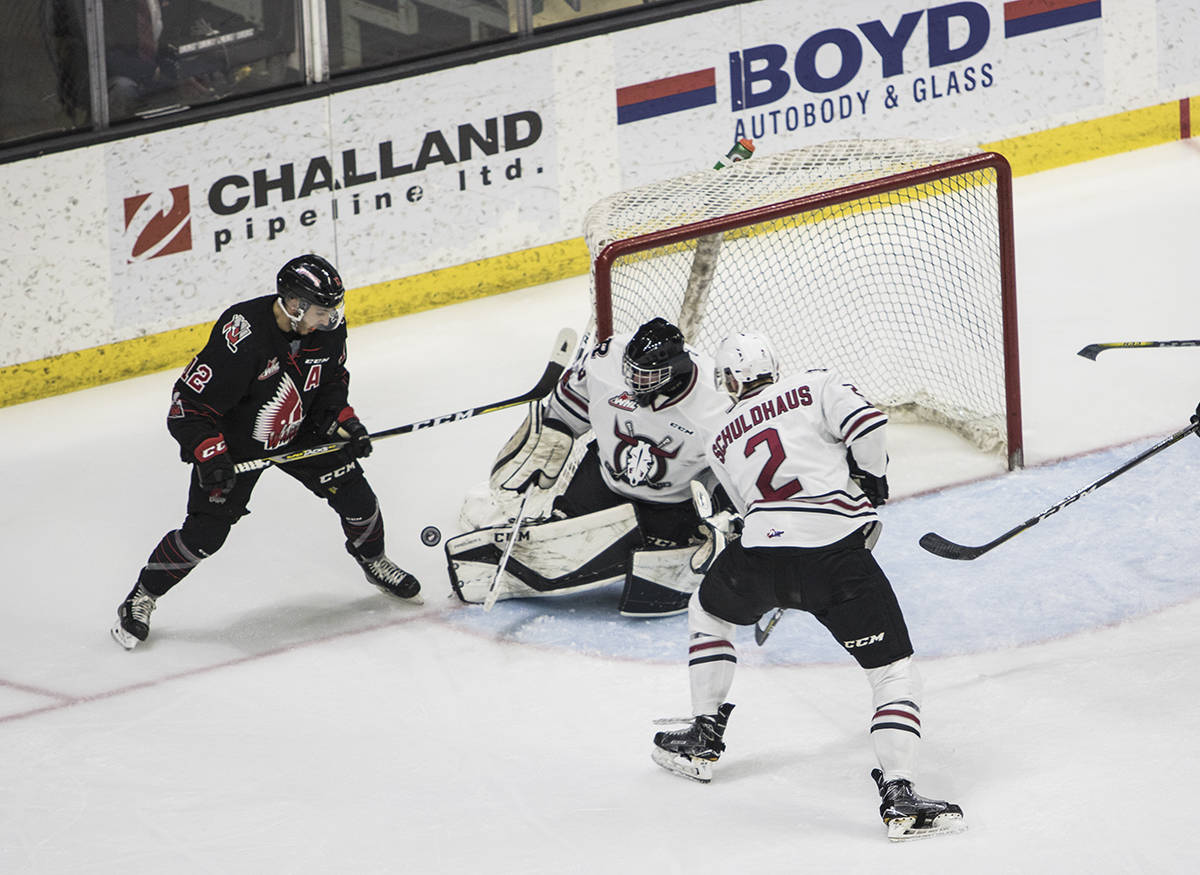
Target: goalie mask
(656, 361)
(311, 292)
(744, 364)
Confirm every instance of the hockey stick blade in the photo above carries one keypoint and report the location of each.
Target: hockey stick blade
(545, 384)
(939, 546)
(762, 633)
(1094, 349)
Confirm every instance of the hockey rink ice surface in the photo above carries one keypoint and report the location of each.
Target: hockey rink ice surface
(287, 717)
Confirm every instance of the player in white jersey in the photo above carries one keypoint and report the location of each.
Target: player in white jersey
(650, 407)
(805, 461)
(626, 513)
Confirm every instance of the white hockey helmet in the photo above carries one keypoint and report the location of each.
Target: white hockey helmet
(745, 362)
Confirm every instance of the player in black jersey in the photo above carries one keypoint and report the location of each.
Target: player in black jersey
(272, 375)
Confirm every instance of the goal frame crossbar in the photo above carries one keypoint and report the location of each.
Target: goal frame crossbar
(983, 161)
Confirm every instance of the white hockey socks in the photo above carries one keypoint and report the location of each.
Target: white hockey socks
(896, 724)
(712, 658)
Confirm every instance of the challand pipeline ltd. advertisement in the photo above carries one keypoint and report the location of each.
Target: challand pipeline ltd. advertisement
(161, 231)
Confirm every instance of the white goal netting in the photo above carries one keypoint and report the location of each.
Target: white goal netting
(888, 261)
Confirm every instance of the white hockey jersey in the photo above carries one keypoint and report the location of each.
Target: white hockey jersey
(781, 456)
(646, 453)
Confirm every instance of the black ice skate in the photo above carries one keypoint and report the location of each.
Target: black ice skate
(690, 752)
(133, 618)
(392, 579)
(909, 816)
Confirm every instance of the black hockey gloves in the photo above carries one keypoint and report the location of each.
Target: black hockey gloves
(347, 426)
(1196, 418)
(214, 468)
(359, 438)
(874, 488)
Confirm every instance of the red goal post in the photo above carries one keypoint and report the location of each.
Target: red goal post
(888, 261)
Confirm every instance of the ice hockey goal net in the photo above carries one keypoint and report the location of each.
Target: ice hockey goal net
(889, 261)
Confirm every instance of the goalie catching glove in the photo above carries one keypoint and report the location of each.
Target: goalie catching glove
(534, 455)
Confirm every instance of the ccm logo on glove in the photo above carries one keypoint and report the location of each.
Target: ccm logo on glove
(211, 447)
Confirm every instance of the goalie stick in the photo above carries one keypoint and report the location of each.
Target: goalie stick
(939, 546)
(493, 592)
(1094, 349)
(545, 384)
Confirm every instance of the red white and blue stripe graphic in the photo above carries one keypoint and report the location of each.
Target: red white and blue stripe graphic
(1030, 16)
(665, 96)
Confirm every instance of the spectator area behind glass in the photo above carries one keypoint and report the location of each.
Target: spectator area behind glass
(44, 85)
(167, 55)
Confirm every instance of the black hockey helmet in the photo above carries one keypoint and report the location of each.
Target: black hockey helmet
(315, 284)
(656, 361)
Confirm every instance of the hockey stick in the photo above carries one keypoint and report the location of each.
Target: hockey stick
(761, 633)
(493, 592)
(939, 546)
(1094, 349)
(543, 387)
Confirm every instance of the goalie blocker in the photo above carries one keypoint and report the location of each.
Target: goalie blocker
(560, 556)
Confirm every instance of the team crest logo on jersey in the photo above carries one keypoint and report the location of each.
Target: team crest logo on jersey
(270, 370)
(279, 419)
(639, 461)
(235, 331)
(624, 401)
(176, 411)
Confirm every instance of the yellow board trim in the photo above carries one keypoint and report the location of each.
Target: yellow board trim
(1031, 153)
(174, 349)
(1098, 138)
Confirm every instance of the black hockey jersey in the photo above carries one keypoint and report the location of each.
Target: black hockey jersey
(257, 385)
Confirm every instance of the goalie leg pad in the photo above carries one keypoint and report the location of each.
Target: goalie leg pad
(549, 558)
(659, 582)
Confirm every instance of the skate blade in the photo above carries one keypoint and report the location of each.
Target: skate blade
(412, 600)
(122, 637)
(685, 766)
(905, 829)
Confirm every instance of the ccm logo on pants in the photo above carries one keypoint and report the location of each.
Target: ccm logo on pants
(863, 642)
(338, 472)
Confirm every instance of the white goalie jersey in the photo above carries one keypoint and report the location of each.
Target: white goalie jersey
(781, 455)
(646, 453)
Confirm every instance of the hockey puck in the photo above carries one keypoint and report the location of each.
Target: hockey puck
(431, 536)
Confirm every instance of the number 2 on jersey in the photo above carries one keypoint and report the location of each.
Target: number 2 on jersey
(770, 437)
